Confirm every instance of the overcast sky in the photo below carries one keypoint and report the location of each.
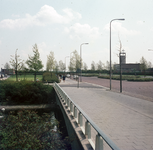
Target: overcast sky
(62, 26)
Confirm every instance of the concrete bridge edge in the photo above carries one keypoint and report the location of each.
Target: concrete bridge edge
(80, 142)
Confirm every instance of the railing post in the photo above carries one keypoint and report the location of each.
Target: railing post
(68, 103)
(88, 129)
(71, 108)
(64, 97)
(80, 119)
(99, 142)
(75, 112)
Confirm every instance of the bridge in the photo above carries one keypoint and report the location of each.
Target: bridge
(103, 119)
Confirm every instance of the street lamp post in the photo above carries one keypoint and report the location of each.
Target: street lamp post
(121, 62)
(81, 60)
(110, 51)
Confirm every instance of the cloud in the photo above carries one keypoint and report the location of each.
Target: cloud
(82, 30)
(46, 15)
(117, 27)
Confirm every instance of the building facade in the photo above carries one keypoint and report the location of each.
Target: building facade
(7, 71)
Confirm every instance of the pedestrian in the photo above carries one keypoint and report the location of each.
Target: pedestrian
(59, 77)
(63, 78)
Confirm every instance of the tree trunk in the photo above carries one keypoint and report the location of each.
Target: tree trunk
(35, 77)
(16, 75)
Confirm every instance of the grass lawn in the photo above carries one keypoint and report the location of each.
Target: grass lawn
(27, 77)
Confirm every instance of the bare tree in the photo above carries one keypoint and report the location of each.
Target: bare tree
(16, 63)
(143, 65)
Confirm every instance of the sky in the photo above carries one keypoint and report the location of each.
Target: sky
(61, 26)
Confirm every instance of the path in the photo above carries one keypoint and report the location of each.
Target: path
(126, 120)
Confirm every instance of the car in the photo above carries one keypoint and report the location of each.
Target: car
(68, 75)
(75, 76)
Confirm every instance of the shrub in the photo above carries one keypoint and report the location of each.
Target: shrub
(126, 77)
(50, 77)
(141, 79)
(25, 92)
(28, 130)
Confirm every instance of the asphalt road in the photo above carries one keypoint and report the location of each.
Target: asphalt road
(143, 90)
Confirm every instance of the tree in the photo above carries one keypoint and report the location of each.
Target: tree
(34, 63)
(114, 68)
(143, 65)
(85, 67)
(61, 66)
(100, 66)
(93, 66)
(75, 62)
(16, 63)
(24, 69)
(50, 61)
(149, 65)
(56, 66)
(7, 66)
(107, 65)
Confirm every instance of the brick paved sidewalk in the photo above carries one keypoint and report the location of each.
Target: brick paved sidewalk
(126, 120)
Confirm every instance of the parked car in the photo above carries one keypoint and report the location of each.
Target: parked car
(75, 76)
(68, 75)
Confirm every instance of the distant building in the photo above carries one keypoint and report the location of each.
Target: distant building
(131, 67)
(126, 68)
(7, 71)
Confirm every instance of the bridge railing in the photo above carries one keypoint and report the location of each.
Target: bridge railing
(79, 114)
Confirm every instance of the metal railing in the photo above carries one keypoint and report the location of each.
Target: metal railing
(78, 114)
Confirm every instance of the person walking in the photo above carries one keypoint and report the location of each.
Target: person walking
(63, 78)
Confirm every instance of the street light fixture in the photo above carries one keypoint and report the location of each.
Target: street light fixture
(81, 60)
(110, 49)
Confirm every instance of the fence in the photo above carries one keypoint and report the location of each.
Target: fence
(79, 115)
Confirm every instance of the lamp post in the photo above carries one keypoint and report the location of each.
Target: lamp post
(65, 62)
(110, 51)
(121, 62)
(81, 60)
